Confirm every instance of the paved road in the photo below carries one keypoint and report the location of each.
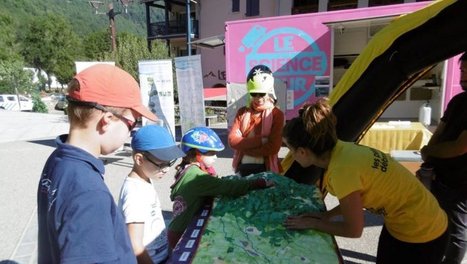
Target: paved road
(26, 140)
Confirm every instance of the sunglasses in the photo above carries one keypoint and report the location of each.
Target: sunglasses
(162, 165)
(257, 94)
(129, 123)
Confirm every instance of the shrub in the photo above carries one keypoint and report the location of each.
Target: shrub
(38, 105)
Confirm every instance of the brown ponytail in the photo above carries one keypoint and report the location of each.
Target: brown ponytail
(315, 128)
(189, 158)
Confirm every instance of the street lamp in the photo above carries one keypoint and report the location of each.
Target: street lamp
(188, 25)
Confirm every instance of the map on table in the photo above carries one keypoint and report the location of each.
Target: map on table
(249, 229)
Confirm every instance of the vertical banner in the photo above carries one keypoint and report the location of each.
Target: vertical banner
(190, 91)
(156, 82)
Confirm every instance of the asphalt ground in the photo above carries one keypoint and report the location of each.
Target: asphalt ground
(26, 141)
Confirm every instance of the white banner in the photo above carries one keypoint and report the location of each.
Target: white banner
(190, 91)
(157, 92)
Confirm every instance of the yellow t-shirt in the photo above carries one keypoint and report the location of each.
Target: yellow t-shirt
(411, 213)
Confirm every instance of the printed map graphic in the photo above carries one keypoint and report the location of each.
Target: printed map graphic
(249, 229)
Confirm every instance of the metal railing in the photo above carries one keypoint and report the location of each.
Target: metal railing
(174, 28)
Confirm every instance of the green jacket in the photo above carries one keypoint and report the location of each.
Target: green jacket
(192, 189)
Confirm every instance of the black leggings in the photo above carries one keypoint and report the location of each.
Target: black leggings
(392, 250)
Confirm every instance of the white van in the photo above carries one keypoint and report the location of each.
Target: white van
(10, 102)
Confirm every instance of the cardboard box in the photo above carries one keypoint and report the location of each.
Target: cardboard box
(411, 159)
(412, 166)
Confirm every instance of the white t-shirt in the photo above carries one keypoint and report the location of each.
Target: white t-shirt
(139, 203)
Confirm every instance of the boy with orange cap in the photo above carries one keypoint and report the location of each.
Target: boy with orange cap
(79, 221)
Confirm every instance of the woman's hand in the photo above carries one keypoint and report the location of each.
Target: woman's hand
(350, 225)
(304, 221)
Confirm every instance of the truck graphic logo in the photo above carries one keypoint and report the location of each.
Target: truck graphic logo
(291, 54)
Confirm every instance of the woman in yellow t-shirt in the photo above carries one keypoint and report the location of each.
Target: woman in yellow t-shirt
(415, 227)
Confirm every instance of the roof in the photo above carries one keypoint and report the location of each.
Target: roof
(210, 42)
(215, 94)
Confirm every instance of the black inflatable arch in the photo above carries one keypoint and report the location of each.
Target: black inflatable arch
(436, 33)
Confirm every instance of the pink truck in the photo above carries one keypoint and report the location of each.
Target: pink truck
(309, 53)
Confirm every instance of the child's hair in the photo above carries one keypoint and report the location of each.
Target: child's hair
(190, 157)
(315, 128)
(79, 114)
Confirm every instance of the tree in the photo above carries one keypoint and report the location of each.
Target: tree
(51, 45)
(8, 37)
(14, 79)
(131, 49)
(97, 44)
(64, 71)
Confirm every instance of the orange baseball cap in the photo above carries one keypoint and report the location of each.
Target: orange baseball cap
(110, 86)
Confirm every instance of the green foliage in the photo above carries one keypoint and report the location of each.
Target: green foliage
(12, 77)
(41, 82)
(51, 45)
(38, 105)
(53, 34)
(97, 44)
(8, 37)
(64, 70)
(81, 15)
(209, 111)
(131, 49)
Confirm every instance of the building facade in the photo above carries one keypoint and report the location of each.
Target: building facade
(167, 20)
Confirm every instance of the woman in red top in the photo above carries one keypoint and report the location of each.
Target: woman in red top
(256, 134)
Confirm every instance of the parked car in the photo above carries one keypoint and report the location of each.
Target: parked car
(15, 102)
(62, 103)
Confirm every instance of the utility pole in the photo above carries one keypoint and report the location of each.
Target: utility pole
(111, 14)
(113, 30)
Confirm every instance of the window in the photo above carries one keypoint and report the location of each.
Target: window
(342, 4)
(183, 52)
(10, 98)
(305, 6)
(384, 2)
(235, 5)
(252, 7)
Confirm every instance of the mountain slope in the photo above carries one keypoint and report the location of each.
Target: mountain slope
(82, 14)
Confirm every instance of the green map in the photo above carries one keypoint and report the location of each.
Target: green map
(249, 229)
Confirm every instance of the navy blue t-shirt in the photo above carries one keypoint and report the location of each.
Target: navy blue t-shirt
(79, 221)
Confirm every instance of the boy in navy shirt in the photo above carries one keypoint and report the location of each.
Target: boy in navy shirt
(79, 221)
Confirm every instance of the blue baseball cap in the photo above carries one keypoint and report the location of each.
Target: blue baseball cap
(157, 141)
